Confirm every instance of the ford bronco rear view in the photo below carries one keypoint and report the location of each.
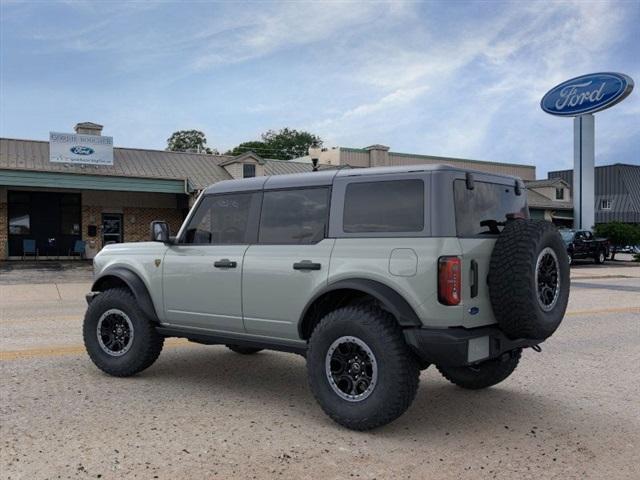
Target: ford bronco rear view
(371, 274)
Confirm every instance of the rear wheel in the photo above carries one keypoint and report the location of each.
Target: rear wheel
(360, 370)
(483, 375)
(119, 338)
(600, 257)
(243, 350)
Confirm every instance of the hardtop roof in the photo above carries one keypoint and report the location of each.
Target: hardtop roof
(326, 177)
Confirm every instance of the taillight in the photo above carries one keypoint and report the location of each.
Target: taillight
(449, 280)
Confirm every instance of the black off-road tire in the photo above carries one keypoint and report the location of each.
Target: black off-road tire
(398, 369)
(146, 344)
(486, 374)
(600, 257)
(514, 293)
(243, 350)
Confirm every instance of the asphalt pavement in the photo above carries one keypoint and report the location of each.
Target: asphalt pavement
(571, 411)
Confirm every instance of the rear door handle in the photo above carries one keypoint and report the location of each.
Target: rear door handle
(306, 265)
(225, 263)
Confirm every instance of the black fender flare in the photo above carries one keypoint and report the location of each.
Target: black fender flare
(387, 296)
(135, 284)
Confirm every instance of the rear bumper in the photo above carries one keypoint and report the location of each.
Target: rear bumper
(456, 347)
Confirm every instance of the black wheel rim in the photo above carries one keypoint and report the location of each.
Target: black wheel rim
(547, 279)
(115, 332)
(351, 369)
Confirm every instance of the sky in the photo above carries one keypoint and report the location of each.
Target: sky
(447, 78)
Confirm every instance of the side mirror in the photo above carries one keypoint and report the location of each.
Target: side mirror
(160, 231)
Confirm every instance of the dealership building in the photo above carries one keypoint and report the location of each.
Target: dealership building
(79, 189)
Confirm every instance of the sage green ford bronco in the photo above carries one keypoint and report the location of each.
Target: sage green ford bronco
(371, 274)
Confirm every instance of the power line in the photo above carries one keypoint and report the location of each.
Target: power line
(267, 150)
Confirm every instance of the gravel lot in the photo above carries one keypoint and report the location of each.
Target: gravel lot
(204, 412)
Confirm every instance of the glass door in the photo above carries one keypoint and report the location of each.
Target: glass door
(111, 228)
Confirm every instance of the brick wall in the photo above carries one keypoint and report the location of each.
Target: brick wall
(4, 241)
(138, 231)
(92, 216)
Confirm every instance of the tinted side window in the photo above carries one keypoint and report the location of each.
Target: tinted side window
(223, 219)
(484, 210)
(384, 206)
(294, 216)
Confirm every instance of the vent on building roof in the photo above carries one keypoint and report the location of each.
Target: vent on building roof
(88, 128)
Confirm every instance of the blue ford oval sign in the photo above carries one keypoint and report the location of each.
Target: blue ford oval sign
(80, 150)
(587, 94)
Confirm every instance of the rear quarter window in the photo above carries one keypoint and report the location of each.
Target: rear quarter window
(384, 206)
(485, 209)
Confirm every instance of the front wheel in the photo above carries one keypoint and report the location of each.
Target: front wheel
(600, 257)
(360, 369)
(483, 375)
(119, 338)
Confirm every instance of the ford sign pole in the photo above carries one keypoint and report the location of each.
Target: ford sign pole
(584, 163)
(580, 97)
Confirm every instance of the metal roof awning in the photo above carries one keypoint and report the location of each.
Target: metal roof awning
(31, 178)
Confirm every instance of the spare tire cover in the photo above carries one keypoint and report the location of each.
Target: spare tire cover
(529, 279)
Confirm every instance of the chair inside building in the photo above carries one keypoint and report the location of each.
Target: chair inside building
(29, 248)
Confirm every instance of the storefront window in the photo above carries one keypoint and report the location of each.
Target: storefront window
(51, 219)
(70, 220)
(19, 220)
(70, 214)
(19, 217)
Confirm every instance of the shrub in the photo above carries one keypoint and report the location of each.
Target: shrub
(619, 234)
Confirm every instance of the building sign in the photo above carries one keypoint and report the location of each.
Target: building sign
(580, 97)
(80, 149)
(587, 94)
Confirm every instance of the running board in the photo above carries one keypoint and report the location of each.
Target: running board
(207, 338)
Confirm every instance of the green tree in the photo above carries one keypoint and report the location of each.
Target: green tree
(288, 144)
(283, 144)
(188, 141)
(619, 234)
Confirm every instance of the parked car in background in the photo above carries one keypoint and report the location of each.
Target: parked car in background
(581, 244)
(629, 249)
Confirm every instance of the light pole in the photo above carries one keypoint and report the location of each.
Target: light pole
(314, 153)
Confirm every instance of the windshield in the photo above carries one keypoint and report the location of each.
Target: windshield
(485, 209)
(567, 235)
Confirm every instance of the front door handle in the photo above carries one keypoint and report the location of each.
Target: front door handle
(306, 265)
(225, 263)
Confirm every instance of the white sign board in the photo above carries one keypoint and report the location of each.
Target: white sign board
(80, 149)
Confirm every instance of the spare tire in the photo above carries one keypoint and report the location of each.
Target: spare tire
(529, 279)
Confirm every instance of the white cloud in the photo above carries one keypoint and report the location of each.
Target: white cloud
(450, 78)
(484, 80)
(287, 25)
